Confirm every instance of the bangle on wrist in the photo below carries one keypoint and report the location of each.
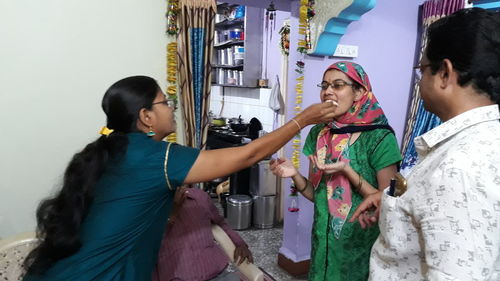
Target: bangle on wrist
(296, 123)
(305, 187)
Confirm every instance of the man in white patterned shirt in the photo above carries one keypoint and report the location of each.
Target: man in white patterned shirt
(446, 226)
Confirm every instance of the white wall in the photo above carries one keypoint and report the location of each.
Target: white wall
(247, 102)
(57, 57)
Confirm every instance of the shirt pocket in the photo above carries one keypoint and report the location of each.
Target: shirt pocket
(394, 222)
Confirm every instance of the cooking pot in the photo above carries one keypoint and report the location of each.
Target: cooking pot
(219, 121)
(219, 180)
(239, 127)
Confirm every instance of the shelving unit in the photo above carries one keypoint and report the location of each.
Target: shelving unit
(238, 48)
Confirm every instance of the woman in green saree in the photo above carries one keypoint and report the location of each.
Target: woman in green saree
(107, 220)
(351, 156)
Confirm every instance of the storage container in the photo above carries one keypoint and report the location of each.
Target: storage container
(239, 211)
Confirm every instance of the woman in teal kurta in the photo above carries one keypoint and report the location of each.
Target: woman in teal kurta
(107, 220)
(114, 246)
(351, 157)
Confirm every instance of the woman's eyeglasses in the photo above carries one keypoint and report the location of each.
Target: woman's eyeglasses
(419, 70)
(168, 102)
(336, 85)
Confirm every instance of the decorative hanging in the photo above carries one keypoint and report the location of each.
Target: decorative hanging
(172, 79)
(271, 18)
(294, 200)
(306, 13)
(299, 91)
(270, 26)
(304, 44)
(172, 12)
(284, 43)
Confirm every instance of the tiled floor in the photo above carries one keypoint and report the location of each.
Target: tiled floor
(264, 245)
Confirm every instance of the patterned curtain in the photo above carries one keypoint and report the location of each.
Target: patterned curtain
(418, 120)
(195, 47)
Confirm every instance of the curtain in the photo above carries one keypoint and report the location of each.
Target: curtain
(195, 47)
(418, 120)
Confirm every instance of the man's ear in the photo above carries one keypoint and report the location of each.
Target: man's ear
(446, 73)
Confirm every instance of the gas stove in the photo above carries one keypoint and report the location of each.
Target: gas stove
(221, 137)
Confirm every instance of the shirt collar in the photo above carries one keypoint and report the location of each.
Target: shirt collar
(427, 141)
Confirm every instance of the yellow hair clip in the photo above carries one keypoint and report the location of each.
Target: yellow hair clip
(105, 131)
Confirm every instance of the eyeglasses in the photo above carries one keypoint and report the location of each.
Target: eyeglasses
(419, 70)
(168, 102)
(336, 85)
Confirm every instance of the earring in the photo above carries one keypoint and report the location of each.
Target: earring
(150, 133)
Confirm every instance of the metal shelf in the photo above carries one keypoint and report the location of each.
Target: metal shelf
(230, 23)
(239, 67)
(229, 43)
(251, 70)
(235, 86)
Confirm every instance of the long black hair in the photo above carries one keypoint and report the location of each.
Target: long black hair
(470, 39)
(60, 217)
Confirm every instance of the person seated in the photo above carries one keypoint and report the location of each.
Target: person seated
(188, 250)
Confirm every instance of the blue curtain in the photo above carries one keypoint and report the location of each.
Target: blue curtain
(198, 49)
(424, 121)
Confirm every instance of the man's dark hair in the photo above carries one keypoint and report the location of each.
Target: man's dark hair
(470, 39)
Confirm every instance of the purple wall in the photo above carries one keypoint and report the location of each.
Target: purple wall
(386, 37)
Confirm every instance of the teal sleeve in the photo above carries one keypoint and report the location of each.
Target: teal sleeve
(310, 143)
(179, 160)
(385, 153)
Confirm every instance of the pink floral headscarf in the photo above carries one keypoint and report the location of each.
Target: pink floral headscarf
(334, 147)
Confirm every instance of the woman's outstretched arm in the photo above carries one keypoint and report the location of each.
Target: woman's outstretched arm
(212, 164)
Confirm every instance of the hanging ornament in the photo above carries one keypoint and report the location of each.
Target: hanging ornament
(172, 79)
(172, 12)
(270, 25)
(306, 12)
(294, 200)
(271, 18)
(285, 38)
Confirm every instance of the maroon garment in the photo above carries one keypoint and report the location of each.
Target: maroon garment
(188, 251)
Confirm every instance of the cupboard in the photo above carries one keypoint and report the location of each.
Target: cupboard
(237, 46)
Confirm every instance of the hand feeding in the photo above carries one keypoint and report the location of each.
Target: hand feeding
(333, 102)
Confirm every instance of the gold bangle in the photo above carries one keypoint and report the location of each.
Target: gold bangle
(296, 123)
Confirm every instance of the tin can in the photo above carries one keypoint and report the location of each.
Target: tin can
(240, 78)
(239, 55)
(235, 34)
(220, 76)
(222, 56)
(230, 56)
(225, 35)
